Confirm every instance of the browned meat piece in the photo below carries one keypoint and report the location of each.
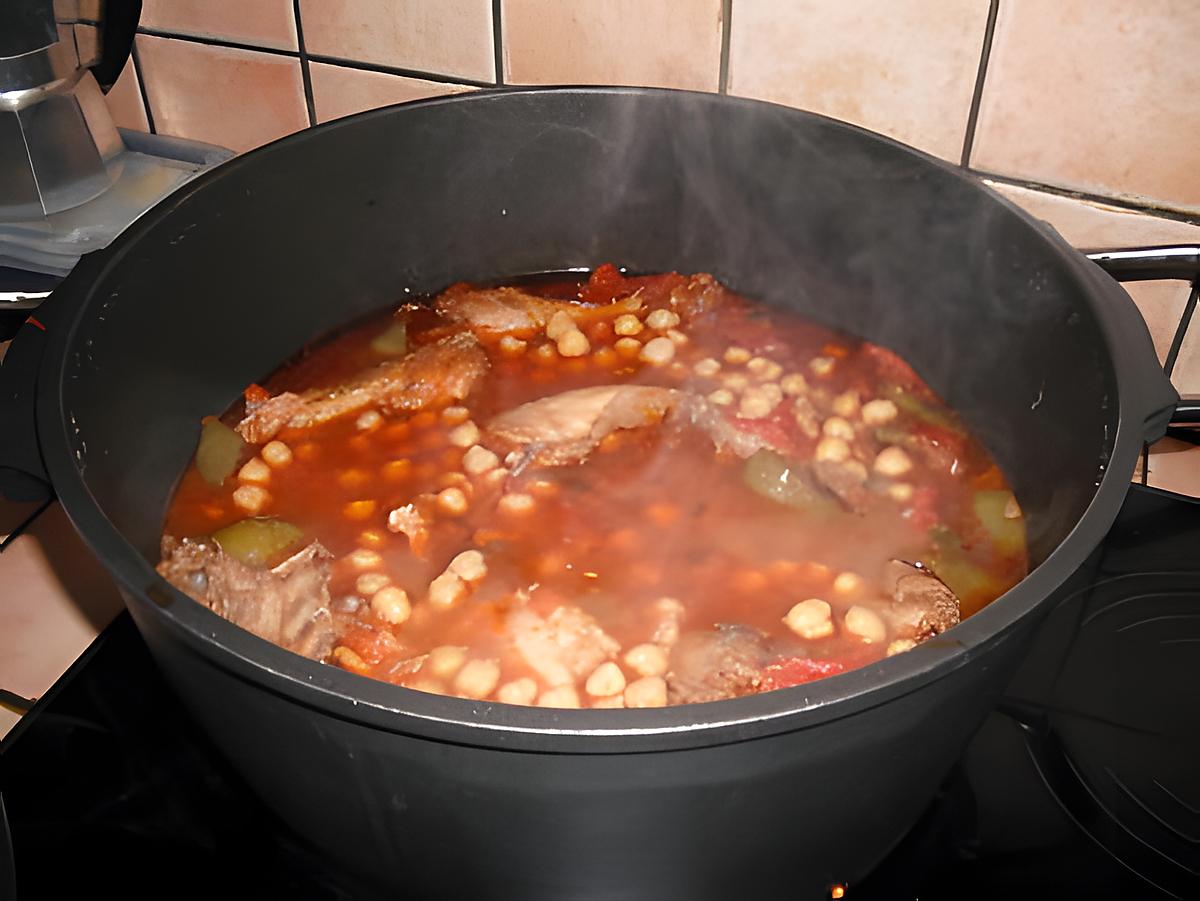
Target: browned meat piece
(700, 295)
(693, 410)
(500, 309)
(846, 480)
(668, 617)
(922, 605)
(287, 605)
(711, 666)
(564, 428)
(563, 647)
(430, 376)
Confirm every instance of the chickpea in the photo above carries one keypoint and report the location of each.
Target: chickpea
(518, 691)
(613, 702)
(821, 366)
(251, 498)
(847, 583)
(477, 679)
(837, 427)
(469, 566)
(368, 421)
(369, 583)
(793, 384)
(899, 646)
(892, 461)
(759, 402)
(901, 492)
(362, 558)
(516, 504)
(735, 381)
(722, 397)
(767, 370)
(648, 691)
(559, 696)
(276, 454)
(560, 323)
(866, 624)
(349, 660)
(359, 510)
(372, 538)
(627, 324)
(353, 478)
(511, 346)
(604, 357)
(605, 681)
(879, 412)
(677, 337)
(660, 320)
(736, 355)
(255, 471)
(846, 404)
(657, 352)
(427, 685)
(628, 347)
(478, 460)
(391, 605)
(397, 470)
(647, 659)
(445, 660)
(447, 590)
(452, 501)
(573, 344)
(545, 353)
(833, 450)
(707, 368)
(810, 619)
(464, 435)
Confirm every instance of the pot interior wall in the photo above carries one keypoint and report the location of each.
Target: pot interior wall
(214, 289)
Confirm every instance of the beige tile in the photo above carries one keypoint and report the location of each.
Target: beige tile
(125, 100)
(906, 68)
(233, 98)
(54, 599)
(1096, 226)
(661, 43)
(339, 91)
(263, 23)
(1175, 466)
(445, 37)
(1096, 95)
(1186, 374)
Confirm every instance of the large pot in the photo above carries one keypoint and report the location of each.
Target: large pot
(781, 793)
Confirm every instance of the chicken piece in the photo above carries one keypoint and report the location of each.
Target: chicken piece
(565, 428)
(922, 605)
(710, 666)
(563, 647)
(432, 375)
(500, 310)
(287, 605)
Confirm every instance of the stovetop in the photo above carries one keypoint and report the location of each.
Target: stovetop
(1085, 783)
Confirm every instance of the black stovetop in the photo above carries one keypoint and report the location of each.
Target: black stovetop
(1084, 784)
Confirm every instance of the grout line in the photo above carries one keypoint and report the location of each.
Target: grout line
(1119, 202)
(394, 70)
(726, 19)
(498, 42)
(305, 73)
(137, 70)
(318, 58)
(1181, 331)
(985, 54)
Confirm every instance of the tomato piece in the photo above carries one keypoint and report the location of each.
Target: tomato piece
(778, 429)
(892, 368)
(797, 671)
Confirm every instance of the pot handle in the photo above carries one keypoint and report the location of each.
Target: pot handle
(1155, 263)
(23, 475)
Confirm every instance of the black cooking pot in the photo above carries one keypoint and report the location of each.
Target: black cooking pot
(781, 793)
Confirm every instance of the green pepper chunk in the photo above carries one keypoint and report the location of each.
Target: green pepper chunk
(258, 541)
(392, 341)
(775, 477)
(1007, 534)
(952, 564)
(913, 405)
(219, 450)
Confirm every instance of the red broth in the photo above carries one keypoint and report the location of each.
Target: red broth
(657, 565)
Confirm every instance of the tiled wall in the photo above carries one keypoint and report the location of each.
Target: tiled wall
(1084, 112)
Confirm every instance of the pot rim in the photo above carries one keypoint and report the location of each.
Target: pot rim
(401, 710)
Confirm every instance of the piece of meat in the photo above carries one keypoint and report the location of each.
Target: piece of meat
(562, 647)
(432, 375)
(504, 310)
(710, 666)
(287, 605)
(669, 615)
(922, 604)
(411, 521)
(695, 411)
(846, 480)
(565, 428)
